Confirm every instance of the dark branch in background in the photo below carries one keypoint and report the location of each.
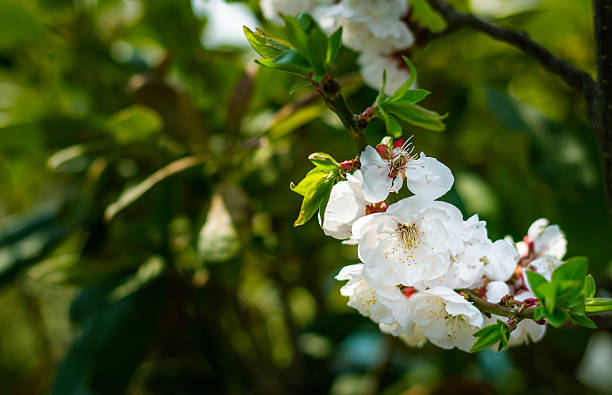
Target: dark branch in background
(329, 88)
(598, 95)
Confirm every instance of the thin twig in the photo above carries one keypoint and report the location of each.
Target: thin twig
(329, 88)
(494, 308)
(456, 20)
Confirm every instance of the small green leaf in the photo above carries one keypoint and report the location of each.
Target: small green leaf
(264, 44)
(317, 49)
(333, 47)
(572, 269)
(589, 286)
(557, 317)
(299, 85)
(323, 161)
(411, 96)
(583, 321)
(416, 115)
(296, 34)
(290, 61)
(411, 78)
(490, 335)
(313, 199)
(539, 313)
(393, 127)
(597, 305)
(535, 280)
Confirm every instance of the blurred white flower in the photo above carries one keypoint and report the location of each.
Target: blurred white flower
(373, 25)
(547, 239)
(384, 170)
(372, 64)
(446, 318)
(272, 9)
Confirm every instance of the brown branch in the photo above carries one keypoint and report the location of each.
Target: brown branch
(597, 94)
(494, 308)
(456, 20)
(329, 88)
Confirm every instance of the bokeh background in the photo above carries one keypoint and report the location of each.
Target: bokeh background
(146, 238)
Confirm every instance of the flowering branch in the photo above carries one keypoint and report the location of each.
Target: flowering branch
(495, 308)
(329, 89)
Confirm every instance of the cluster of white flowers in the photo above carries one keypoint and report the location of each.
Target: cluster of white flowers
(373, 27)
(417, 252)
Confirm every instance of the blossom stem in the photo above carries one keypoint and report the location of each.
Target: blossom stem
(329, 88)
(494, 308)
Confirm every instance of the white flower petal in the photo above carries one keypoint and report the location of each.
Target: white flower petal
(375, 171)
(428, 177)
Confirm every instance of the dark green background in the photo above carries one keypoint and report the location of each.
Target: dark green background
(95, 96)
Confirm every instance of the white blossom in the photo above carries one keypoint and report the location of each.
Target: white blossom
(547, 239)
(388, 307)
(346, 204)
(272, 9)
(500, 260)
(425, 176)
(446, 318)
(373, 25)
(411, 242)
(372, 64)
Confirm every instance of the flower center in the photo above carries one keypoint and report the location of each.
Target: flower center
(409, 235)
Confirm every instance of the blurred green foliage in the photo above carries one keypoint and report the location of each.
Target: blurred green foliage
(146, 239)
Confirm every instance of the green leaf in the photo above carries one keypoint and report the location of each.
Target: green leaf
(416, 115)
(411, 96)
(535, 280)
(557, 317)
(393, 127)
(583, 321)
(296, 34)
(317, 49)
(333, 47)
(572, 269)
(290, 61)
(491, 335)
(323, 161)
(589, 286)
(315, 188)
(133, 124)
(299, 85)
(411, 78)
(264, 44)
(597, 305)
(539, 313)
